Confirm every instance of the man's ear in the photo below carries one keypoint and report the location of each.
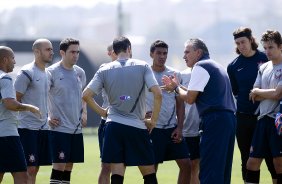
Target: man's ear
(62, 52)
(5, 58)
(199, 53)
(36, 51)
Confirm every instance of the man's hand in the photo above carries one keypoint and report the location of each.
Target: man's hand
(253, 95)
(149, 124)
(104, 112)
(84, 119)
(170, 82)
(54, 122)
(177, 135)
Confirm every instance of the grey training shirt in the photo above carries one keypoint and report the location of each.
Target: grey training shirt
(65, 97)
(124, 81)
(33, 84)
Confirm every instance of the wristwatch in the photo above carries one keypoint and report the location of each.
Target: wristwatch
(176, 90)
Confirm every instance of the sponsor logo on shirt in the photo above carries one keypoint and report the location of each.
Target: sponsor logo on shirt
(124, 97)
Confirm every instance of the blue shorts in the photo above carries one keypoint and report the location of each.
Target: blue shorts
(193, 144)
(101, 134)
(164, 147)
(126, 144)
(266, 139)
(66, 148)
(11, 155)
(36, 146)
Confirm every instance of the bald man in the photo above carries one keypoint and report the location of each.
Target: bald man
(11, 155)
(32, 87)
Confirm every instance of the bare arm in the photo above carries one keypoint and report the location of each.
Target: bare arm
(84, 114)
(88, 97)
(260, 94)
(180, 113)
(151, 122)
(191, 96)
(171, 84)
(188, 96)
(13, 105)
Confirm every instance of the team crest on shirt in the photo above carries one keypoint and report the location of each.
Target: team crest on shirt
(278, 74)
(61, 155)
(31, 158)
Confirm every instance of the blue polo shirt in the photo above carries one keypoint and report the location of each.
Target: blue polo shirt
(242, 72)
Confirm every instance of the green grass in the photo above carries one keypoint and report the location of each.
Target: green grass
(87, 173)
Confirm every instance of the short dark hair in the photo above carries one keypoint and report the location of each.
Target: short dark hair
(272, 35)
(65, 43)
(245, 32)
(121, 44)
(158, 43)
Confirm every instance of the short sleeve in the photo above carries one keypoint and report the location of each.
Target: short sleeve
(199, 79)
(22, 81)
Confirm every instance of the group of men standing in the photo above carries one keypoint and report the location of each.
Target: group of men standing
(48, 129)
(150, 114)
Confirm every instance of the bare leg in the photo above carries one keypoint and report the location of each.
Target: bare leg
(20, 177)
(195, 166)
(147, 169)
(104, 177)
(31, 174)
(1, 177)
(253, 164)
(118, 168)
(253, 167)
(184, 176)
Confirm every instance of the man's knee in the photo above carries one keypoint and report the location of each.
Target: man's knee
(195, 165)
(253, 164)
(278, 164)
(32, 170)
(106, 168)
(184, 164)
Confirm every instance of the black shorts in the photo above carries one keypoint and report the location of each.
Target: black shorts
(266, 139)
(67, 148)
(193, 144)
(126, 144)
(11, 155)
(164, 147)
(36, 146)
(101, 134)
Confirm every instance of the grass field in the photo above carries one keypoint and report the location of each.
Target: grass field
(87, 173)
